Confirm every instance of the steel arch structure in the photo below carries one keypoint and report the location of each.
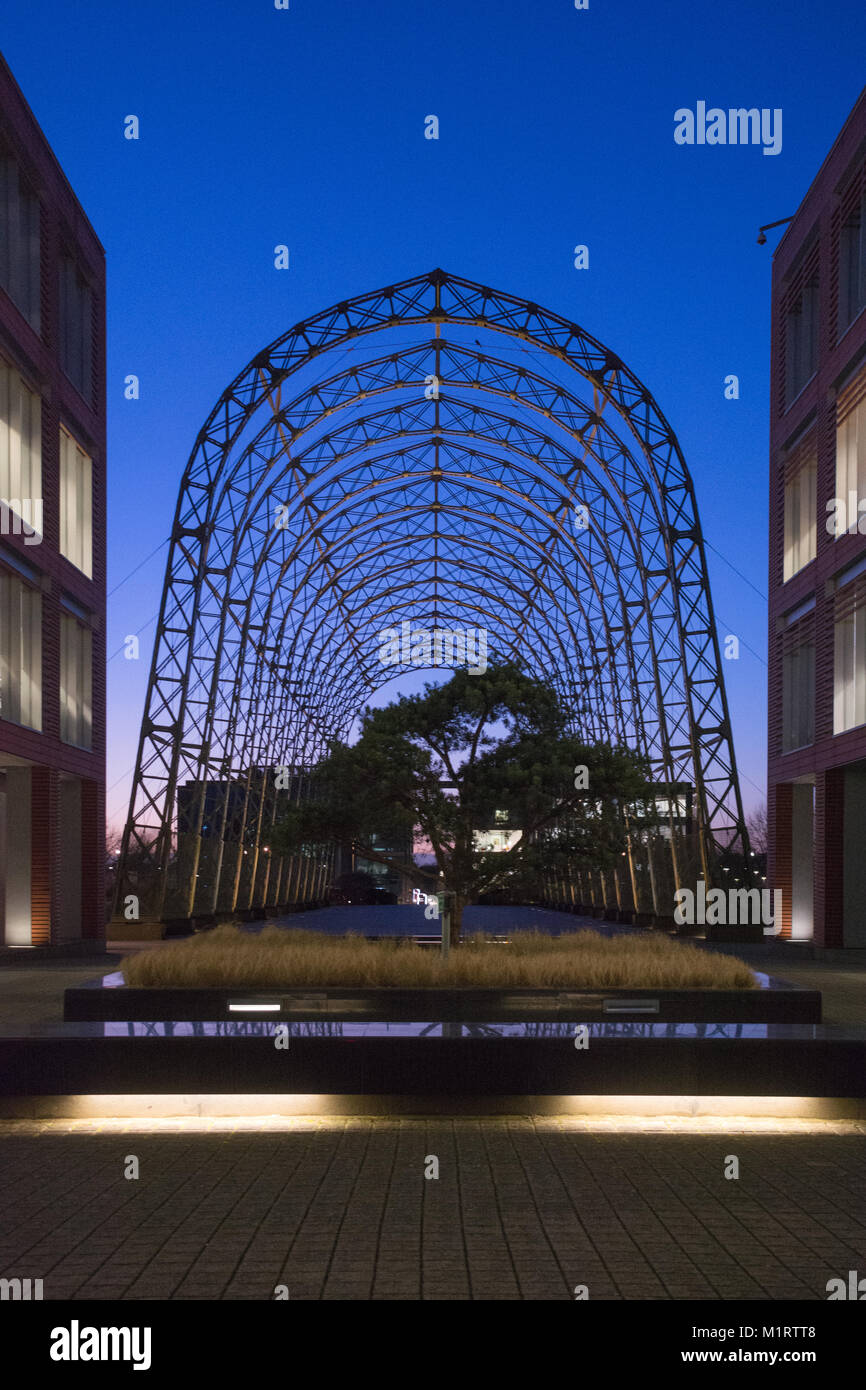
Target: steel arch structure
(489, 465)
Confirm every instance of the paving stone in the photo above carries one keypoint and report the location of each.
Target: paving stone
(523, 1208)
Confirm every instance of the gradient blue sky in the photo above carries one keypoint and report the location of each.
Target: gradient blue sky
(305, 126)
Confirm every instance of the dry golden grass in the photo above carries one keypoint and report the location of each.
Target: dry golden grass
(289, 958)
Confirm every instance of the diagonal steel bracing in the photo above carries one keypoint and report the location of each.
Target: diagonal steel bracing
(339, 488)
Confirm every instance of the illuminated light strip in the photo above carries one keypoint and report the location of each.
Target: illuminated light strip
(687, 1114)
(564, 1124)
(254, 1008)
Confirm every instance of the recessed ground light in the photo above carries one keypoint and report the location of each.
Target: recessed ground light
(257, 1008)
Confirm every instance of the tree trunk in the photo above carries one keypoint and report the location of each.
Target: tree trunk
(457, 905)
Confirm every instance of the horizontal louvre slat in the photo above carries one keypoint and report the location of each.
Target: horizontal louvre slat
(849, 398)
(799, 634)
(852, 596)
(803, 453)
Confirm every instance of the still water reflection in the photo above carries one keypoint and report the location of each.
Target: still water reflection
(260, 1028)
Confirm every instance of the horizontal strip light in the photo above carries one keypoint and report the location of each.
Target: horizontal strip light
(254, 1008)
(251, 1112)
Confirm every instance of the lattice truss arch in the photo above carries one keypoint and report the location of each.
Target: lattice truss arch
(325, 503)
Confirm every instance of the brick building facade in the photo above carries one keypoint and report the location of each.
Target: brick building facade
(817, 583)
(52, 547)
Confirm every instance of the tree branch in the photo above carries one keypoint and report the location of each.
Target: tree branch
(478, 731)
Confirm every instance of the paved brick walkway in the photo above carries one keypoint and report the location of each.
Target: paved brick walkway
(521, 1209)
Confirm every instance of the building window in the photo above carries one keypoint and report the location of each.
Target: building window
(20, 652)
(75, 327)
(849, 672)
(851, 456)
(20, 453)
(852, 265)
(76, 504)
(19, 241)
(800, 517)
(849, 656)
(76, 682)
(798, 696)
(801, 339)
(667, 807)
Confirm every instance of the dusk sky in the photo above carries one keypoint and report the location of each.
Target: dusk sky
(306, 127)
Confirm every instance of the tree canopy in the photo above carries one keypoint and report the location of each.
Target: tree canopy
(478, 751)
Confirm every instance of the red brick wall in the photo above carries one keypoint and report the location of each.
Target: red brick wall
(92, 859)
(779, 857)
(44, 854)
(813, 410)
(36, 357)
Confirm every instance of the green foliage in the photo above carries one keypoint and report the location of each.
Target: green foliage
(441, 764)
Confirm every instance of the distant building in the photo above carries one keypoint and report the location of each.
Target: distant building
(667, 812)
(230, 809)
(498, 837)
(388, 879)
(227, 807)
(671, 812)
(817, 617)
(52, 546)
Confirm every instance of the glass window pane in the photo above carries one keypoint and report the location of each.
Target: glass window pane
(798, 697)
(76, 653)
(76, 504)
(800, 519)
(19, 241)
(75, 326)
(20, 652)
(849, 671)
(20, 450)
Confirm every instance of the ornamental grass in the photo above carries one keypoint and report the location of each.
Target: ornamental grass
(294, 958)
